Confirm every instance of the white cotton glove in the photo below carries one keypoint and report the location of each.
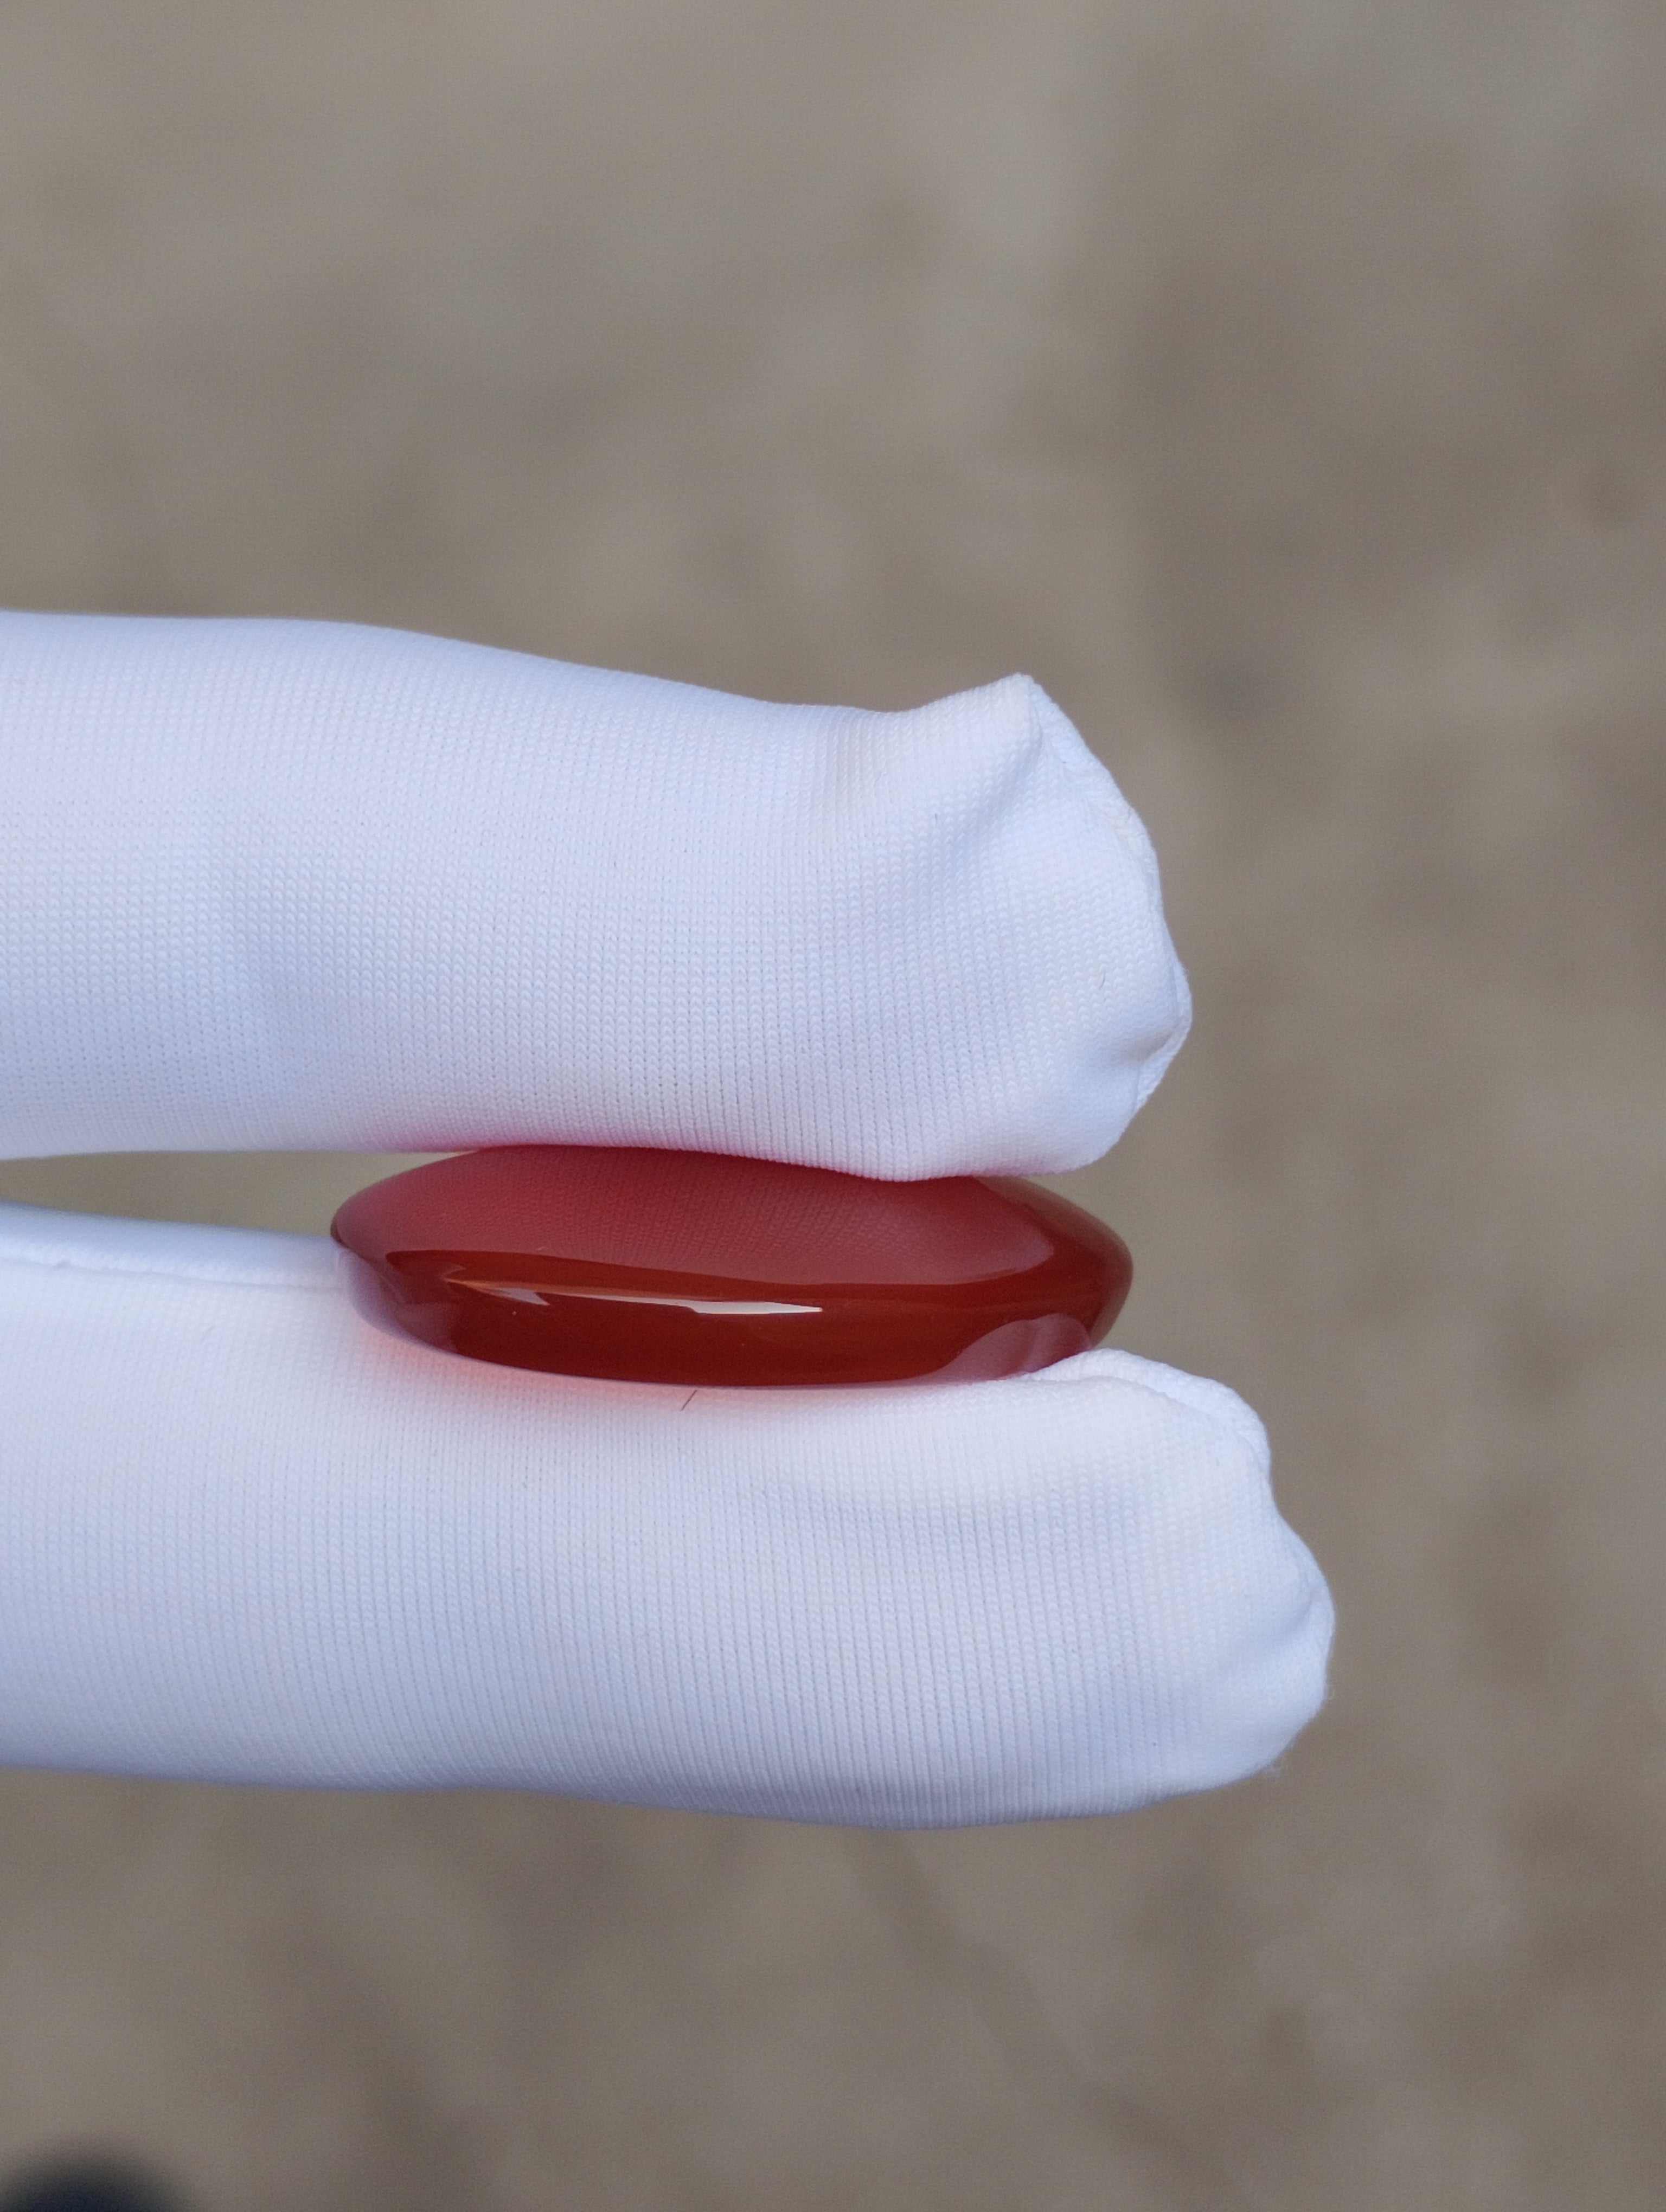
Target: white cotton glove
(301, 885)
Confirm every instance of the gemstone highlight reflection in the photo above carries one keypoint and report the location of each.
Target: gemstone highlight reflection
(700, 1268)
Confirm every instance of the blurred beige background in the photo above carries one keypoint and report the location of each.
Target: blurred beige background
(1284, 387)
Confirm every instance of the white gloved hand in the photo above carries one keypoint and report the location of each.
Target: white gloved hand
(302, 885)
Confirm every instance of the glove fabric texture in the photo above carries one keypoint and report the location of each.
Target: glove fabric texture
(294, 885)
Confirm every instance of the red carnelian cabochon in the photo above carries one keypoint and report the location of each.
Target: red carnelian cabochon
(700, 1268)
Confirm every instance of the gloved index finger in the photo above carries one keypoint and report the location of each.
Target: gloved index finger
(292, 885)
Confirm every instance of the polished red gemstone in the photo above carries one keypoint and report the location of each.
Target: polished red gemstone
(699, 1269)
